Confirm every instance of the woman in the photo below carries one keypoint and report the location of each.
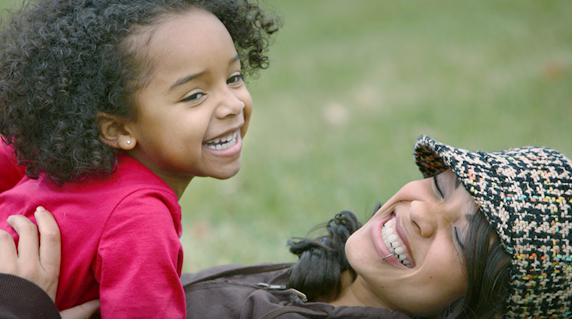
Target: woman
(484, 235)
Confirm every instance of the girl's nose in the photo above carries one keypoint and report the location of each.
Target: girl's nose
(423, 216)
(230, 105)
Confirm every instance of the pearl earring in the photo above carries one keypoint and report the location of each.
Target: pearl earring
(128, 142)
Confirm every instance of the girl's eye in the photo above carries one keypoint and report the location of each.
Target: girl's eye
(193, 97)
(235, 79)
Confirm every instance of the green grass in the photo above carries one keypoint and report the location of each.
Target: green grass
(351, 86)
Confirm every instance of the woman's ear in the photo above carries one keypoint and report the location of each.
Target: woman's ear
(114, 133)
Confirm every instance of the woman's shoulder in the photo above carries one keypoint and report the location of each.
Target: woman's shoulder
(366, 312)
(254, 273)
(233, 291)
(260, 291)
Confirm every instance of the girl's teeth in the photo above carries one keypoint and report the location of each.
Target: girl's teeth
(390, 240)
(223, 143)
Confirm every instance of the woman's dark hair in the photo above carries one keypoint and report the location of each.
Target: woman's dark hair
(64, 61)
(488, 273)
(322, 260)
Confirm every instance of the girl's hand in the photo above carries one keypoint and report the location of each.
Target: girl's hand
(38, 259)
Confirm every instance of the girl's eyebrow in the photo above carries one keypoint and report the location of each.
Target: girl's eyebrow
(186, 79)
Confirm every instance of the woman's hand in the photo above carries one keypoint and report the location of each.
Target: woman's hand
(38, 259)
(83, 311)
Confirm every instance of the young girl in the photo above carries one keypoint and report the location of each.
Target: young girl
(113, 106)
(484, 235)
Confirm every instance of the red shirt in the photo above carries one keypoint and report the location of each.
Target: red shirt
(120, 238)
(10, 171)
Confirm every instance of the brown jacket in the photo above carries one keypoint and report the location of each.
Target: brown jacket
(224, 292)
(259, 292)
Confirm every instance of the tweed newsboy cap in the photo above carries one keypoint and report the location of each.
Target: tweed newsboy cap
(526, 195)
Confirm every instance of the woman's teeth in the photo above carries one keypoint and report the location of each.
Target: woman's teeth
(223, 142)
(390, 240)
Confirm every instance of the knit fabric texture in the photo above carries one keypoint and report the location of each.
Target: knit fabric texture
(526, 195)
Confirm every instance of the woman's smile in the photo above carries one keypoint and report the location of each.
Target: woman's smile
(391, 242)
(396, 244)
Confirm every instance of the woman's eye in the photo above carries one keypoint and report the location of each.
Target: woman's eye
(458, 238)
(437, 186)
(193, 97)
(235, 79)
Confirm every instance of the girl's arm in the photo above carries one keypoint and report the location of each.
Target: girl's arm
(10, 171)
(139, 261)
(29, 276)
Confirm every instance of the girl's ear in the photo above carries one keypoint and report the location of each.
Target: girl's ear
(114, 133)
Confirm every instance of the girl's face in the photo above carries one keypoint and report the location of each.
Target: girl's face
(195, 109)
(409, 255)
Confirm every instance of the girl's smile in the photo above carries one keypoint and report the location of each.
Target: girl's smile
(225, 143)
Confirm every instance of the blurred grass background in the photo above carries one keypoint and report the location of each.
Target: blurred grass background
(350, 87)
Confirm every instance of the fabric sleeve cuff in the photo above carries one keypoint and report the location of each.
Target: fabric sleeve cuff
(21, 298)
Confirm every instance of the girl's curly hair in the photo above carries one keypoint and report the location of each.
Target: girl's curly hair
(64, 61)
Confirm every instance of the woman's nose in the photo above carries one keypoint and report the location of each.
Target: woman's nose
(230, 105)
(424, 217)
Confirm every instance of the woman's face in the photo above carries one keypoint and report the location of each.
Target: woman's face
(409, 255)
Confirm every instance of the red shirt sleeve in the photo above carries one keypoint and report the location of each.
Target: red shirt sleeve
(10, 171)
(139, 261)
